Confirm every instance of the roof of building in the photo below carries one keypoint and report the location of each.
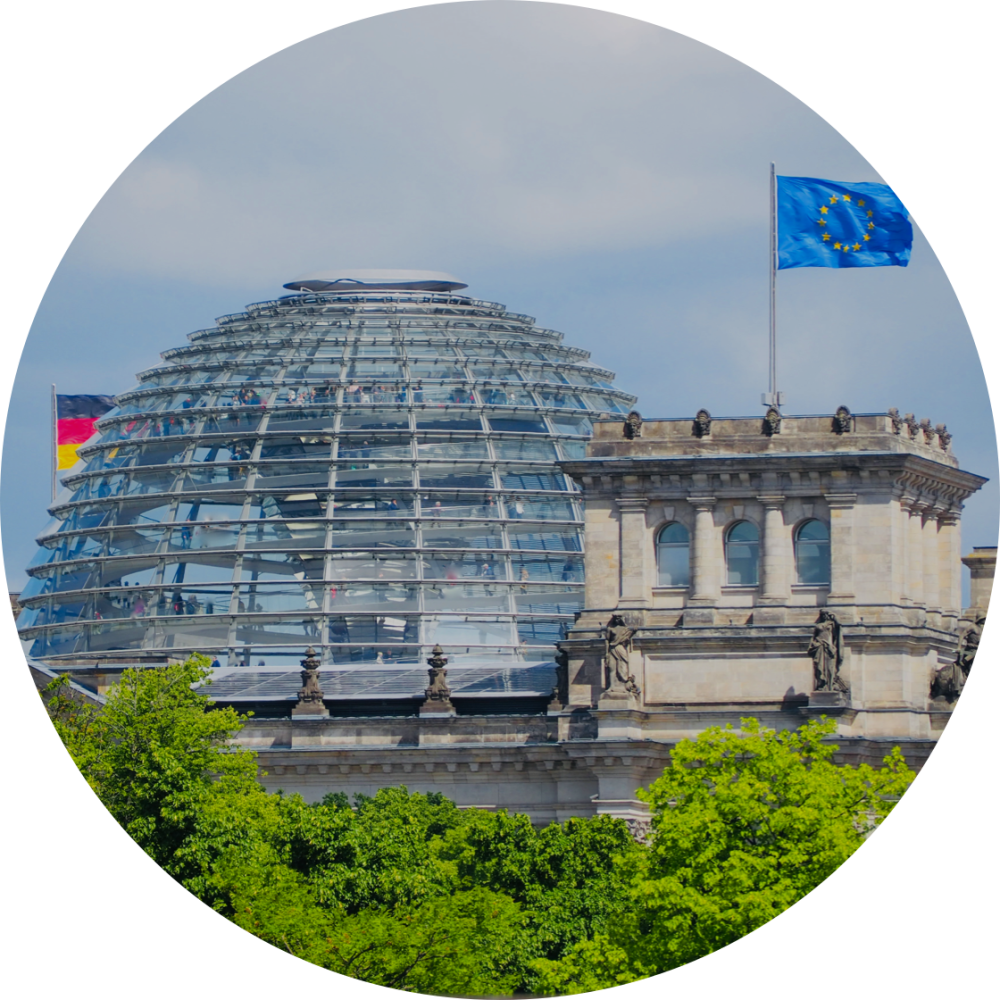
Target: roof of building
(346, 278)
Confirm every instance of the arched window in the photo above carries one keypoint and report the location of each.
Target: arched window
(742, 554)
(673, 556)
(812, 552)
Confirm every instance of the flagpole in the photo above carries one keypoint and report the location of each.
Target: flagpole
(53, 444)
(773, 397)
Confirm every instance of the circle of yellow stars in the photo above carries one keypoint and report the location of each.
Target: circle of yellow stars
(824, 210)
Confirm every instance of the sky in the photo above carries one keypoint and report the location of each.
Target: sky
(602, 174)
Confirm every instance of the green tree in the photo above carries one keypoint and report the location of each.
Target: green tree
(745, 823)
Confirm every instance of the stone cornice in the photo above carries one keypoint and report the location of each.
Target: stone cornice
(796, 475)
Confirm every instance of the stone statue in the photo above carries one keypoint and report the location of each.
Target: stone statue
(310, 694)
(949, 681)
(911, 425)
(437, 694)
(842, 420)
(897, 420)
(772, 422)
(560, 693)
(702, 425)
(632, 428)
(944, 438)
(827, 652)
(617, 646)
(927, 431)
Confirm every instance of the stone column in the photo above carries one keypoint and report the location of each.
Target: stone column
(635, 591)
(913, 582)
(775, 589)
(932, 568)
(841, 506)
(705, 585)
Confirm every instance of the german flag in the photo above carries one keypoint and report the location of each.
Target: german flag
(75, 418)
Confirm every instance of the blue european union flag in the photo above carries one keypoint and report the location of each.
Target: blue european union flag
(830, 224)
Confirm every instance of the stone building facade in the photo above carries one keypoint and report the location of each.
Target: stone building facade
(777, 568)
(781, 568)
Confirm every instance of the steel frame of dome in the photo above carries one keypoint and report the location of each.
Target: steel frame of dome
(368, 472)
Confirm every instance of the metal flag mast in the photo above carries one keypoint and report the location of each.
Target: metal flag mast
(54, 442)
(772, 397)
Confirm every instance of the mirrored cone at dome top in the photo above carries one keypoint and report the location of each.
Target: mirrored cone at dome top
(370, 472)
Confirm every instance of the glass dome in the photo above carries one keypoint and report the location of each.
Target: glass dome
(369, 472)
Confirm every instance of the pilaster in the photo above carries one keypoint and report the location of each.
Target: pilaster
(705, 583)
(635, 589)
(841, 507)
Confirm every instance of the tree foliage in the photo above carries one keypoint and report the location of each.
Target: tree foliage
(407, 891)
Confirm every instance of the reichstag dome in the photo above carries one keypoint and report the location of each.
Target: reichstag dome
(366, 465)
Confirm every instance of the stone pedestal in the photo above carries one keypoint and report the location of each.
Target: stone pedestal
(310, 704)
(437, 693)
(828, 701)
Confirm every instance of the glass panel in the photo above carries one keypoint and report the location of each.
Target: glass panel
(451, 449)
(569, 569)
(466, 597)
(542, 631)
(533, 425)
(524, 480)
(301, 419)
(567, 424)
(283, 535)
(373, 629)
(569, 400)
(445, 478)
(518, 507)
(742, 551)
(450, 420)
(371, 566)
(456, 535)
(437, 373)
(443, 505)
(373, 506)
(372, 474)
(505, 396)
(352, 533)
(379, 598)
(373, 447)
(812, 553)
(293, 505)
(573, 449)
(461, 631)
(532, 537)
(528, 450)
(262, 598)
(373, 421)
(297, 448)
(285, 474)
(459, 566)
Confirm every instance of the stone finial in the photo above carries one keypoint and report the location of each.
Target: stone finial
(842, 420)
(927, 430)
(911, 425)
(310, 703)
(772, 422)
(897, 420)
(944, 438)
(702, 425)
(437, 693)
(632, 428)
